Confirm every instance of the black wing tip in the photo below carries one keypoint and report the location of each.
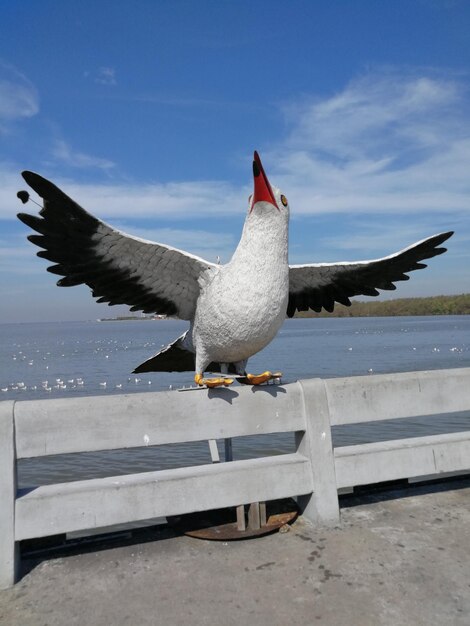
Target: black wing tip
(24, 217)
(436, 241)
(37, 240)
(31, 177)
(441, 237)
(41, 185)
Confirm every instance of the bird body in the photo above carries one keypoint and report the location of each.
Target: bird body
(243, 305)
(234, 310)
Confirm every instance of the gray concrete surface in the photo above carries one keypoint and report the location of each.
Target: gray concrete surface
(397, 559)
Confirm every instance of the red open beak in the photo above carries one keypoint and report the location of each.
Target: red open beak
(263, 191)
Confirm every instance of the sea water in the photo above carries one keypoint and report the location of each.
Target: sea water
(51, 360)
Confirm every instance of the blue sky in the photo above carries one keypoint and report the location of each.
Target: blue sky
(147, 113)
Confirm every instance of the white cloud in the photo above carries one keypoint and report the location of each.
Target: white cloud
(375, 113)
(17, 258)
(10, 183)
(18, 96)
(208, 245)
(20, 263)
(170, 201)
(387, 143)
(62, 152)
(106, 76)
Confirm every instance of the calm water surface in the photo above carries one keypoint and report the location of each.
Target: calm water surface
(50, 360)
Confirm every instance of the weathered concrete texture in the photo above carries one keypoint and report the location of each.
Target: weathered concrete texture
(403, 560)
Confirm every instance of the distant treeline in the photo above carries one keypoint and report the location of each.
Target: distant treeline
(435, 305)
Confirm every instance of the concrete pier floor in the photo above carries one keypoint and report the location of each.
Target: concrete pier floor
(400, 557)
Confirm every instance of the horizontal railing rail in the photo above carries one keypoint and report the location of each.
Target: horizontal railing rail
(52, 509)
(62, 426)
(313, 473)
(383, 461)
(391, 396)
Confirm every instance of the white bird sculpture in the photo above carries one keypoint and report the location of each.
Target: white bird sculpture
(234, 310)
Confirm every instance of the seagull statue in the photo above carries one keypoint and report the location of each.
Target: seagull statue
(234, 310)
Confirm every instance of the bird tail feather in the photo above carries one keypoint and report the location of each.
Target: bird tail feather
(173, 358)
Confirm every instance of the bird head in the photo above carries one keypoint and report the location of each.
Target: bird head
(265, 196)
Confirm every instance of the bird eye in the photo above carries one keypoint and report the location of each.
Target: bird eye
(284, 200)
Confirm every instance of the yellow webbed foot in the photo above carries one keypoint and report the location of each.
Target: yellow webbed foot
(212, 382)
(258, 379)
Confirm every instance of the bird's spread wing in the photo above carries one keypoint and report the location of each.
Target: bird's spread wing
(119, 268)
(320, 285)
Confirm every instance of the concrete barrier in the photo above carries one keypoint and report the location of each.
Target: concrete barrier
(313, 473)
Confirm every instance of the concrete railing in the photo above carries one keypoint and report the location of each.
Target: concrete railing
(313, 473)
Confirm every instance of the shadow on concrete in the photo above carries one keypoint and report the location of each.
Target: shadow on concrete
(222, 393)
(228, 394)
(273, 390)
(394, 490)
(35, 551)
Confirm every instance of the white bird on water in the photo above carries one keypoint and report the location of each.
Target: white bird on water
(234, 310)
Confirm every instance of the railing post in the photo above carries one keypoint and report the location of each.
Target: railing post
(9, 549)
(320, 507)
